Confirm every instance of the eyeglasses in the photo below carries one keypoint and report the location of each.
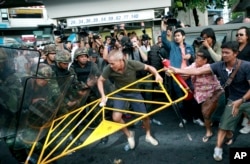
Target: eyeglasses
(239, 35)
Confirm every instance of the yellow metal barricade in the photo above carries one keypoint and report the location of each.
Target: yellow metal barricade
(62, 138)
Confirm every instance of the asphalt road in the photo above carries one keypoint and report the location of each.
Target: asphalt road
(174, 146)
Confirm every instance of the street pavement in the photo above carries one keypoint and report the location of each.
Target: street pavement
(174, 145)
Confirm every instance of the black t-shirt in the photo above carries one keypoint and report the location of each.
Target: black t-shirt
(244, 54)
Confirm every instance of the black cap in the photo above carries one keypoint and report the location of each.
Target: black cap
(94, 55)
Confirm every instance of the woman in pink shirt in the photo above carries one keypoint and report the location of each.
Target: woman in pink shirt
(204, 85)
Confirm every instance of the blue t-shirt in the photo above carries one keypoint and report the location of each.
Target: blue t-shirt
(240, 84)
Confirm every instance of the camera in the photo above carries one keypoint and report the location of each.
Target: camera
(171, 21)
(198, 40)
(83, 33)
(127, 45)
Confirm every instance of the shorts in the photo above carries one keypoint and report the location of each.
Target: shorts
(228, 122)
(136, 106)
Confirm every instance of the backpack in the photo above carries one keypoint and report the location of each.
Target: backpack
(154, 58)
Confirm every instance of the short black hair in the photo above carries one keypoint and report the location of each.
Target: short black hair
(180, 31)
(218, 19)
(210, 33)
(233, 45)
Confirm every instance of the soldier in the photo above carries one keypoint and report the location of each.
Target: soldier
(38, 108)
(63, 58)
(86, 72)
(11, 90)
(50, 52)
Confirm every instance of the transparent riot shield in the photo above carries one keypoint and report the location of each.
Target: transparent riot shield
(15, 65)
(28, 102)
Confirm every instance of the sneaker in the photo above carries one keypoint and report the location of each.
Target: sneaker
(198, 122)
(157, 122)
(217, 154)
(131, 140)
(246, 129)
(244, 121)
(181, 125)
(151, 140)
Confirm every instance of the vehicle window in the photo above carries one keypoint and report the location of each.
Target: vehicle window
(221, 37)
(190, 38)
(234, 32)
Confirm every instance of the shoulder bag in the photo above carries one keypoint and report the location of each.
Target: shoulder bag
(211, 103)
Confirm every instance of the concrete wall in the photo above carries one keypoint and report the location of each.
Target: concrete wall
(188, 18)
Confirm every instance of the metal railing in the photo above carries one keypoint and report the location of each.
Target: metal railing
(70, 132)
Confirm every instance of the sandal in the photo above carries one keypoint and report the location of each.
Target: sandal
(206, 138)
(229, 141)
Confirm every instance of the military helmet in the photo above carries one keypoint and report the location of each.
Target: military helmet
(81, 51)
(63, 56)
(3, 55)
(44, 71)
(50, 49)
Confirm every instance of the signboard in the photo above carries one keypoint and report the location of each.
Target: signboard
(26, 13)
(111, 18)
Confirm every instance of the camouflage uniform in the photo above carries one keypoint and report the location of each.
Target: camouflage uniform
(87, 73)
(63, 56)
(11, 91)
(70, 91)
(38, 108)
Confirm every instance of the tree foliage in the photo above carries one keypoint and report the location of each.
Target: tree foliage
(201, 4)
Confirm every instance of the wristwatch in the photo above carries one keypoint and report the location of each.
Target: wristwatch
(243, 99)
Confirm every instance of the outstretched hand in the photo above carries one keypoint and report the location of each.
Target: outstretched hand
(169, 70)
(158, 78)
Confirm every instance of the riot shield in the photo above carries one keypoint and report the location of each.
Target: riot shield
(28, 102)
(41, 100)
(15, 65)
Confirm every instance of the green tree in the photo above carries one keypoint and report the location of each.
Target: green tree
(201, 5)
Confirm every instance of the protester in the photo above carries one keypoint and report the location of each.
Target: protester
(123, 72)
(181, 56)
(243, 38)
(204, 86)
(208, 40)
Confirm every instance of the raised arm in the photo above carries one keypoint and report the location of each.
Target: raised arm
(214, 52)
(190, 71)
(166, 43)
